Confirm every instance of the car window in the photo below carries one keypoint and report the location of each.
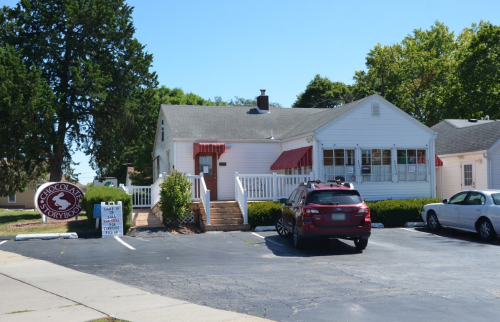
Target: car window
(458, 198)
(292, 196)
(334, 197)
(301, 196)
(475, 198)
(496, 198)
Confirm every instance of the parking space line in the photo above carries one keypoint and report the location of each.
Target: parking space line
(3, 242)
(124, 243)
(415, 231)
(268, 239)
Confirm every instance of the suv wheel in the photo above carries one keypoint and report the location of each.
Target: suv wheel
(280, 227)
(298, 242)
(360, 243)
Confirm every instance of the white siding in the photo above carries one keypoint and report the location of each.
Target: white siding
(495, 168)
(391, 130)
(452, 173)
(184, 161)
(161, 148)
(295, 144)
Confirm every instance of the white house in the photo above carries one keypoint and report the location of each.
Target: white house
(385, 152)
(470, 151)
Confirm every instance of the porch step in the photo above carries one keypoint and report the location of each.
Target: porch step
(224, 216)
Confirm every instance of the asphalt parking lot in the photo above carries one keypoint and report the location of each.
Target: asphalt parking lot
(403, 275)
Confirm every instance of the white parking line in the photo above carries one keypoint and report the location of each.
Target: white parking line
(415, 231)
(3, 242)
(268, 239)
(124, 243)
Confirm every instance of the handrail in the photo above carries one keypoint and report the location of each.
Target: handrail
(242, 198)
(205, 197)
(271, 186)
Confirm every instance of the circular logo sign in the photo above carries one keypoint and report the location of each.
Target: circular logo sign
(59, 200)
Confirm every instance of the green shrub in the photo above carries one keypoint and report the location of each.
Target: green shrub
(96, 195)
(175, 197)
(394, 213)
(263, 213)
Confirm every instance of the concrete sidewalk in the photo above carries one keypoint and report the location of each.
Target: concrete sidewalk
(36, 290)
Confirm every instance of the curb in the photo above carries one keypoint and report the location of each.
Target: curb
(377, 225)
(415, 224)
(264, 228)
(46, 236)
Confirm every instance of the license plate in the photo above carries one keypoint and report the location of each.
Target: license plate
(338, 216)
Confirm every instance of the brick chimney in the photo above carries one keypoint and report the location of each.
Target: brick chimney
(263, 101)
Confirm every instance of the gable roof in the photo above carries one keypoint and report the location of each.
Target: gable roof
(237, 122)
(461, 136)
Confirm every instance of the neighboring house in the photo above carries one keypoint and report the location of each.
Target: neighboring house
(470, 151)
(385, 152)
(26, 199)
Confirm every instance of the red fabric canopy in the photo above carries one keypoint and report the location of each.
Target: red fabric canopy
(438, 162)
(301, 157)
(218, 148)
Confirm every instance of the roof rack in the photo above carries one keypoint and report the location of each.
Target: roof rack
(311, 184)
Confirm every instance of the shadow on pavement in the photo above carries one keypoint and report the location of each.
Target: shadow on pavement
(315, 247)
(460, 235)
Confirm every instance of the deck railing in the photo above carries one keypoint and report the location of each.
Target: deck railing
(271, 186)
(141, 195)
(241, 196)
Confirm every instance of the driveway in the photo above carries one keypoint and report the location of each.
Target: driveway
(403, 275)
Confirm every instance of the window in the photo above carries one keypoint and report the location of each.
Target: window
(335, 197)
(375, 109)
(376, 165)
(458, 198)
(12, 198)
(412, 165)
(475, 198)
(206, 165)
(339, 163)
(162, 131)
(168, 162)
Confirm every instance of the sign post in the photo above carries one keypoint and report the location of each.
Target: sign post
(97, 214)
(111, 219)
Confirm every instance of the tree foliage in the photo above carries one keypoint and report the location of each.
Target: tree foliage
(323, 93)
(479, 71)
(98, 72)
(26, 115)
(175, 196)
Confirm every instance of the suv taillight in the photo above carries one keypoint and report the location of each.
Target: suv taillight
(309, 212)
(364, 210)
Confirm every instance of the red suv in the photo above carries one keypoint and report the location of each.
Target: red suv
(325, 210)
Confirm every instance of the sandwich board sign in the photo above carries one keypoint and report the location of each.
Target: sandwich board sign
(111, 219)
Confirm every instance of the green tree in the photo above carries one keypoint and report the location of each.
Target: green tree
(98, 72)
(26, 114)
(175, 197)
(239, 101)
(417, 75)
(479, 71)
(323, 93)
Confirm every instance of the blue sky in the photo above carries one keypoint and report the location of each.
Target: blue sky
(235, 48)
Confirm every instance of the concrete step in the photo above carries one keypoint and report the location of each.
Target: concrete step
(223, 204)
(226, 227)
(224, 221)
(231, 210)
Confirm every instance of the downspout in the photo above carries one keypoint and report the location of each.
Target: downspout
(488, 168)
(432, 158)
(317, 162)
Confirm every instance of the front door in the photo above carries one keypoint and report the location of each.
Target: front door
(468, 176)
(206, 163)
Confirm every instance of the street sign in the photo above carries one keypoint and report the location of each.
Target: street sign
(97, 211)
(112, 219)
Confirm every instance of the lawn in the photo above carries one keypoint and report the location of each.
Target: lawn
(30, 222)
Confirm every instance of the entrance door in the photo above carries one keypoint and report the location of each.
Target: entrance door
(468, 176)
(207, 163)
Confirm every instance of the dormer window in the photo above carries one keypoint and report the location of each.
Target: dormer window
(162, 131)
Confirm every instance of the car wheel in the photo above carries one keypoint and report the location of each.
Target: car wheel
(298, 242)
(361, 243)
(432, 221)
(485, 229)
(280, 227)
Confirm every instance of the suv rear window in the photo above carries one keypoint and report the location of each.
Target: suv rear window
(334, 197)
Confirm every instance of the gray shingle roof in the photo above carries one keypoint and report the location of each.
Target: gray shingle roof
(461, 136)
(236, 122)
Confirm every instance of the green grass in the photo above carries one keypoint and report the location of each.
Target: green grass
(15, 217)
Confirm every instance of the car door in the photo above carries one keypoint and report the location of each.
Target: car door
(287, 210)
(448, 215)
(471, 209)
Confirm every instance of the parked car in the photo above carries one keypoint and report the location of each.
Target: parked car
(325, 210)
(470, 210)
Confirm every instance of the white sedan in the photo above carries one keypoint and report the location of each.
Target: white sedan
(470, 210)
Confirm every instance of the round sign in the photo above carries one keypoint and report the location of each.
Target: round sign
(59, 200)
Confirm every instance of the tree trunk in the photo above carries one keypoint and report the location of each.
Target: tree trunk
(57, 159)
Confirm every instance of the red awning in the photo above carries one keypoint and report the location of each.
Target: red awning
(301, 157)
(438, 162)
(218, 148)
